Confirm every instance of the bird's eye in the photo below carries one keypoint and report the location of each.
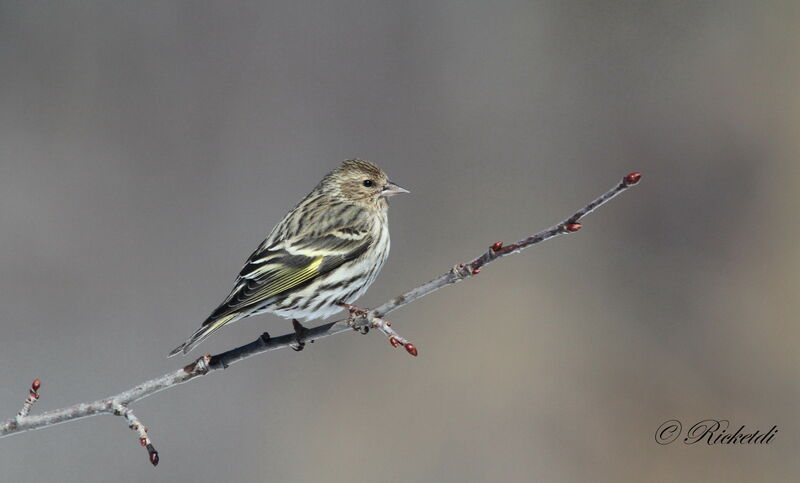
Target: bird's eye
(368, 183)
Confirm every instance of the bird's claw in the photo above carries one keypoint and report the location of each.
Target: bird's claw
(299, 334)
(355, 313)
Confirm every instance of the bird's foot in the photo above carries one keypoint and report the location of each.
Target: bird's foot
(299, 335)
(355, 313)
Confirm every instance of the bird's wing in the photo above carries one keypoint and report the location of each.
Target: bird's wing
(286, 264)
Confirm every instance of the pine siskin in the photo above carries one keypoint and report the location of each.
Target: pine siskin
(325, 252)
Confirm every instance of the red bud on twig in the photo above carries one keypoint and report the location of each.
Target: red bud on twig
(632, 178)
(411, 349)
(152, 454)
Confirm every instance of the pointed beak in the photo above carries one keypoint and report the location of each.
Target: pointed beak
(392, 189)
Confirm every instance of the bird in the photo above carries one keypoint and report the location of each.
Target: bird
(323, 255)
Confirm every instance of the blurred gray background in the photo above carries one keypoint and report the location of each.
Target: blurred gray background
(146, 148)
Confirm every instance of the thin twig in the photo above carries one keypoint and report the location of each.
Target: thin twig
(33, 396)
(141, 430)
(119, 403)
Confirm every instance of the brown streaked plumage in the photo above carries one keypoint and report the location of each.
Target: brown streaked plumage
(327, 250)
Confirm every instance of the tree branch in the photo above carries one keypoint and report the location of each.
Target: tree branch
(362, 320)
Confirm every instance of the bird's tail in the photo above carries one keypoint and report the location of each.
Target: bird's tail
(199, 336)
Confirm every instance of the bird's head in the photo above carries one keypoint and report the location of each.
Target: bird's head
(362, 182)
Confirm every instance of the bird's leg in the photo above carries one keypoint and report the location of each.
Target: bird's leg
(355, 312)
(265, 337)
(299, 334)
